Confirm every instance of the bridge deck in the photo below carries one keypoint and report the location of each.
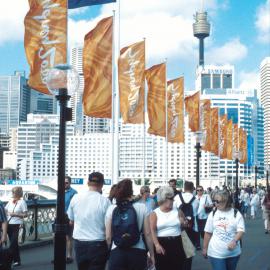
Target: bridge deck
(256, 253)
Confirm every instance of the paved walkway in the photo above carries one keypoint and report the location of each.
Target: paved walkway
(255, 256)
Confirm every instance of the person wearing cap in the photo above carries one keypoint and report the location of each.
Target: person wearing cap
(87, 213)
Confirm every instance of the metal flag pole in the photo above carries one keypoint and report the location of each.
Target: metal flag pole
(166, 122)
(116, 112)
(144, 128)
(219, 148)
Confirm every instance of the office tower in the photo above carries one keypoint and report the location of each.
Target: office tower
(214, 77)
(14, 101)
(265, 96)
(41, 103)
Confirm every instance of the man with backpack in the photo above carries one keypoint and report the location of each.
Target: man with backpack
(189, 205)
(87, 213)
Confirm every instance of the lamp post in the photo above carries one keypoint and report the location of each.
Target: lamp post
(267, 167)
(256, 173)
(198, 155)
(236, 193)
(62, 80)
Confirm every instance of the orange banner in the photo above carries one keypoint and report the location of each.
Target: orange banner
(223, 136)
(230, 139)
(206, 124)
(131, 67)
(175, 97)
(235, 140)
(214, 131)
(192, 104)
(97, 69)
(45, 39)
(156, 80)
(242, 146)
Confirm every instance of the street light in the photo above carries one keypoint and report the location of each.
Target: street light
(257, 164)
(198, 155)
(62, 81)
(267, 168)
(236, 193)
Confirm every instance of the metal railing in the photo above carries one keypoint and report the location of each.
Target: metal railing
(41, 216)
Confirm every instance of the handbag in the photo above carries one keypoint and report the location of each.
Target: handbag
(188, 247)
(21, 234)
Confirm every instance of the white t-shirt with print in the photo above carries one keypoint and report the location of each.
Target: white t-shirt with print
(18, 207)
(141, 212)
(224, 226)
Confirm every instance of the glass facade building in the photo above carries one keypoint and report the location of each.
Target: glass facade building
(14, 101)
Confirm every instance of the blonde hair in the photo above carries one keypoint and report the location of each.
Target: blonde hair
(225, 197)
(164, 193)
(17, 192)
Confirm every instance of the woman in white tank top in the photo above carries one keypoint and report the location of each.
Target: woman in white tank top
(165, 224)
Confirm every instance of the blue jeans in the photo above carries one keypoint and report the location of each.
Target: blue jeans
(224, 264)
(91, 255)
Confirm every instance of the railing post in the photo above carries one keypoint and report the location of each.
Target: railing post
(35, 219)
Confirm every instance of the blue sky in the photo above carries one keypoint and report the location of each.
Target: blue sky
(240, 34)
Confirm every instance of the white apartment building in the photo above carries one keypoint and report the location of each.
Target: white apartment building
(31, 134)
(265, 96)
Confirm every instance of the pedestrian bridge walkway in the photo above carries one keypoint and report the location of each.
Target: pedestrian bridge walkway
(255, 256)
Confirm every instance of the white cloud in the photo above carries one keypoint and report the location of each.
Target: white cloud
(263, 22)
(249, 80)
(230, 52)
(12, 13)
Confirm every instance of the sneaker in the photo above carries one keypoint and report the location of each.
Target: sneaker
(69, 260)
(266, 232)
(16, 264)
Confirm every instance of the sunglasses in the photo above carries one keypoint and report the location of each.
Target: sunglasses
(171, 198)
(199, 189)
(66, 183)
(217, 201)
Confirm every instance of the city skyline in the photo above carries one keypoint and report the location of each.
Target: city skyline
(239, 34)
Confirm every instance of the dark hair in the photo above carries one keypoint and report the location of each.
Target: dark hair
(172, 181)
(68, 178)
(188, 186)
(123, 190)
(112, 192)
(96, 178)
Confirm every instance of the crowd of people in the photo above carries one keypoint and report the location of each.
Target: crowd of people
(147, 231)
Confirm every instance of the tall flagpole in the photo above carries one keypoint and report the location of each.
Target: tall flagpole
(166, 107)
(144, 128)
(116, 46)
(218, 147)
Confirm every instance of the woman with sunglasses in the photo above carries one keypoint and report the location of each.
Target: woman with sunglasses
(205, 207)
(165, 223)
(223, 231)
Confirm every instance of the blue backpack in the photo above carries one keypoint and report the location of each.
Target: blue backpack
(125, 230)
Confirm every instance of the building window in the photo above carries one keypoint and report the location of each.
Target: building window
(227, 80)
(206, 81)
(216, 81)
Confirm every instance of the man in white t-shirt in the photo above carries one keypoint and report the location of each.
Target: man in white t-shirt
(87, 213)
(188, 197)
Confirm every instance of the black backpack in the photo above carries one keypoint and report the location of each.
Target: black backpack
(187, 209)
(125, 230)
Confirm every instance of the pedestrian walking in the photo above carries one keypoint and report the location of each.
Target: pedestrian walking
(172, 184)
(187, 202)
(266, 211)
(254, 203)
(165, 223)
(126, 223)
(87, 213)
(16, 210)
(69, 193)
(245, 202)
(205, 207)
(223, 231)
(146, 199)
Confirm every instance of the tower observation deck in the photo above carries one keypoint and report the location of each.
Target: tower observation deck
(201, 30)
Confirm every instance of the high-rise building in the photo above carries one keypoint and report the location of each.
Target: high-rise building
(214, 77)
(31, 134)
(14, 101)
(265, 96)
(41, 103)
